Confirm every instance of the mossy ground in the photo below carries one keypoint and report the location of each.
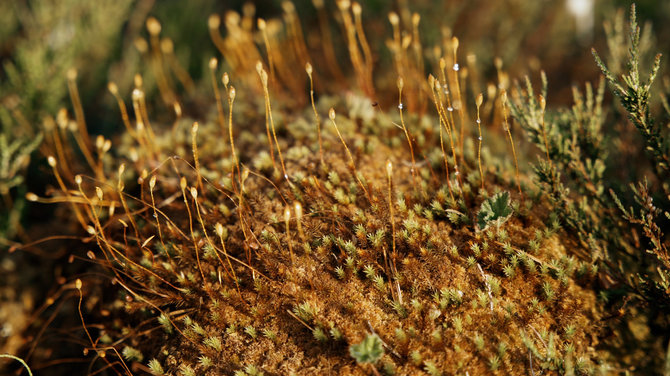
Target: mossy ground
(300, 306)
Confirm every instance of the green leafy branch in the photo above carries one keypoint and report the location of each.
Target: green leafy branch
(578, 215)
(575, 148)
(571, 138)
(647, 218)
(634, 94)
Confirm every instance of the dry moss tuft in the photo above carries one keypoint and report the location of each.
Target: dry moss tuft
(223, 261)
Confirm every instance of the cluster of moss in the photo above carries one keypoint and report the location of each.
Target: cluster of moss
(293, 229)
(300, 293)
(239, 276)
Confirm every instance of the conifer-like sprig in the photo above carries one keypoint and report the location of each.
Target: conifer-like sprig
(634, 94)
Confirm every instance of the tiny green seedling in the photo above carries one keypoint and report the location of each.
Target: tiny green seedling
(495, 210)
(369, 350)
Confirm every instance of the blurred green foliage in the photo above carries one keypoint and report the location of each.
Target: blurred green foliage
(46, 38)
(40, 41)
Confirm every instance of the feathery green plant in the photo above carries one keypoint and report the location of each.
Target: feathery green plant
(634, 94)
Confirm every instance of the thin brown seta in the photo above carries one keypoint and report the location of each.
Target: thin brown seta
(262, 26)
(365, 46)
(359, 65)
(459, 105)
(394, 20)
(213, 63)
(92, 213)
(503, 98)
(450, 124)
(298, 218)
(213, 23)
(263, 77)
(268, 109)
(331, 114)
(394, 255)
(139, 92)
(196, 160)
(32, 197)
(120, 186)
(177, 117)
(479, 101)
(231, 100)
(225, 79)
(78, 286)
(309, 70)
(194, 195)
(54, 166)
(102, 145)
(152, 185)
(287, 221)
(143, 135)
(114, 90)
(218, 227)
(295, 31)
(328, 49)
(419, 64)
(76, 103)
(401, 84)
(167, 94)
(167, 48)
(81, 135)
(434, 86)
(58, 137)
(99, 234)
(182, 185)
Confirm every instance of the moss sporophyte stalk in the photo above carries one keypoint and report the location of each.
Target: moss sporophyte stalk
(349, 207)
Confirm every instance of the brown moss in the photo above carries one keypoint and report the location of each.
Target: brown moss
(454, 308)
(354, 304)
